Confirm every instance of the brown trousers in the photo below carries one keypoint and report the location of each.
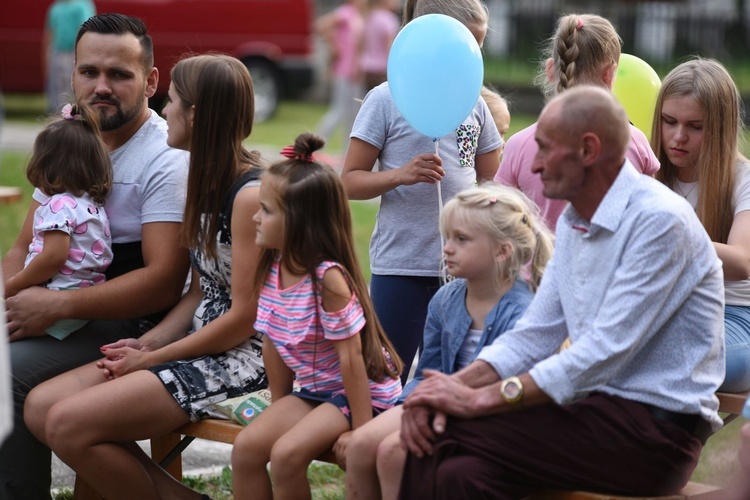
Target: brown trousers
(601, 444)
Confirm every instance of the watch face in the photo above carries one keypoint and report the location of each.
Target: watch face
(512, 390)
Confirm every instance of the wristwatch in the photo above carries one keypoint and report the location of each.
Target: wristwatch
(512, 391)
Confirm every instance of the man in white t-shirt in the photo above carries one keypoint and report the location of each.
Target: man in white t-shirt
(115, 75)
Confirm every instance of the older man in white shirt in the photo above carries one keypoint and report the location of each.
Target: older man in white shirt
(636, 284)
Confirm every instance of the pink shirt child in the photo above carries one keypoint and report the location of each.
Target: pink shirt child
(303, 334)
(348, 31)
(380, 29)
(515, 168)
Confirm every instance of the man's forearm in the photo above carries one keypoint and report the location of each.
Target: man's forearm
(137, 293)
(12, 263)
(478, 374)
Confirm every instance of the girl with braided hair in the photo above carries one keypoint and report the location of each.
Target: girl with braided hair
(585, 49)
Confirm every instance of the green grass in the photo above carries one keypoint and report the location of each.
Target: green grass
(12, 216)
(326, 483)
(291, 119)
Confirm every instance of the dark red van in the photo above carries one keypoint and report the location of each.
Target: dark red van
(272, 37)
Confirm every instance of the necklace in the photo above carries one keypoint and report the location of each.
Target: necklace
(678, 187)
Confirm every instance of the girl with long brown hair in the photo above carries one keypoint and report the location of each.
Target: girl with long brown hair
(319, 328)
(696, 136)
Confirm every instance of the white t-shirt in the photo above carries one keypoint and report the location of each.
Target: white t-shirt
(406, 239)
(736, 293)
(149, 182)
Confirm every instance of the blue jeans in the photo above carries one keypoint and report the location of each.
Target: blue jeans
(737, 340)
(401, 305)
(25, 463)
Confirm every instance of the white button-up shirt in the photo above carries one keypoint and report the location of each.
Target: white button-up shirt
(639, 291)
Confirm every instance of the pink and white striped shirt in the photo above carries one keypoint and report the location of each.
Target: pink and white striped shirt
(304, 334)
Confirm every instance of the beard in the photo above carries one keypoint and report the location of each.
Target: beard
(121, 116)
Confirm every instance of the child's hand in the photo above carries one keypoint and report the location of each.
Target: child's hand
(339, 448)
(426, 167)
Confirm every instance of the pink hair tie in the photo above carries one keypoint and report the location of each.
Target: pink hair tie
(493, 200)
(580, 23)
(290, 153)
(67, 113)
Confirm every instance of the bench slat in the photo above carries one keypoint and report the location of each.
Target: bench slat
(732, 403)
(222, 431)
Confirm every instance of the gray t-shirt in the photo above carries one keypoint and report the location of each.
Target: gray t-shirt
(150, 181)
(406, 239)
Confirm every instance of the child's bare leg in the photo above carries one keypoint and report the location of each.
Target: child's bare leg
(85, 430)
(251, 451)
(295, 450)
(361, 452)
(391, 460)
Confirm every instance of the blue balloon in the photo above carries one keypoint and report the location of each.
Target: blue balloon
(435, 73)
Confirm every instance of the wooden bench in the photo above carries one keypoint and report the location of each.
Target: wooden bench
(9, 195)
(167, 451)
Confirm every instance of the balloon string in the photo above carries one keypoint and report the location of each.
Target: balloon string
(441, 265)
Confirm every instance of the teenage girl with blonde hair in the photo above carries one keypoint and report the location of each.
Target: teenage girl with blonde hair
(318, 325)
(585, 49)
(405, 246)
(491, 233)
(696, 134)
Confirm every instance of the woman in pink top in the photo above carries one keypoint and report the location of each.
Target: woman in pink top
(318, 325)
(342, 31)
(381, 26)
(585, 49)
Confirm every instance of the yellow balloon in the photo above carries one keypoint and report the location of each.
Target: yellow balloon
(636, 87)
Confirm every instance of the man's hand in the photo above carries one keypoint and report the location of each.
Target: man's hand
(446, 394)
(32, 310)
(416, 434)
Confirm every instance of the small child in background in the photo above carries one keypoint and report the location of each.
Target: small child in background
(499, 110)
(342, 30)
(71, 245)
(491, 232)
(319, 327)
(380, 29)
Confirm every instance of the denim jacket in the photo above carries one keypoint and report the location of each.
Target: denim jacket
(448, 323)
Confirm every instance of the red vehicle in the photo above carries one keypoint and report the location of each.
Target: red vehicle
(272, 37)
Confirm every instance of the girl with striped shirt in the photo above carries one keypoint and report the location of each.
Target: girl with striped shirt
(318, 327)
